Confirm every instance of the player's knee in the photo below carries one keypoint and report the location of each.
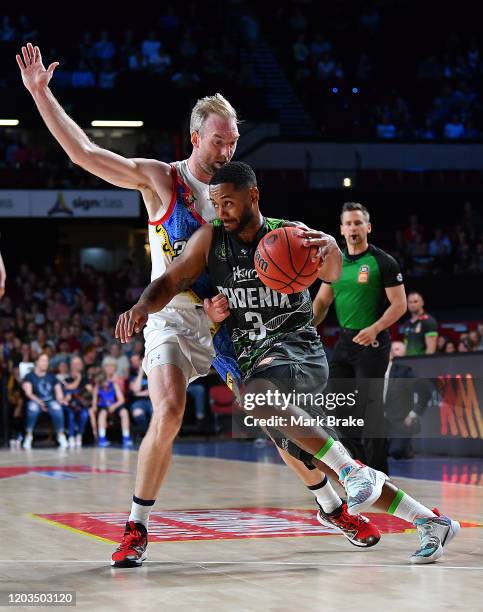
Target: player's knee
(166, 419)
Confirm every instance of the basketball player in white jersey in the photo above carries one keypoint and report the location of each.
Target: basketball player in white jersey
(178, 342)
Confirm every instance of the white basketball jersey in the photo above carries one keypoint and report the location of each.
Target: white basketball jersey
(188, 209)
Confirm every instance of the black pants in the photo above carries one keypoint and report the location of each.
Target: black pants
(367, 365)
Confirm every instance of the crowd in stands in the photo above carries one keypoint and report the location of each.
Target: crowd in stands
(177, 44)
(58, 355)
(352, 71)
(456, 249)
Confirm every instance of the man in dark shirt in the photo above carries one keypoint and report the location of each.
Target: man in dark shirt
(369, 297)
(44, 393)
(421, 330)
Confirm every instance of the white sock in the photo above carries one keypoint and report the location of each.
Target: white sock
(140, 510)
(29, 436)
(125, 433)
(337, 458)
(60, 435)
(102, 432)
(407, 508)
(326, 496)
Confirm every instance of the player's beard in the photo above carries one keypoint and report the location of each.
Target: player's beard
(246, 216)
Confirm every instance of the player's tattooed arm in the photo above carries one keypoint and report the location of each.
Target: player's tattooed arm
(179, 276)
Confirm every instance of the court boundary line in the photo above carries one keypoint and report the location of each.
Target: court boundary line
(281, 563)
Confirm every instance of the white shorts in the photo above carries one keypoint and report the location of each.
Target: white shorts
(179, 336)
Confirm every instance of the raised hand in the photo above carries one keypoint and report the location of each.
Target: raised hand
(34, 74)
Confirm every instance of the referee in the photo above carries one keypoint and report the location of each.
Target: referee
(370, 279)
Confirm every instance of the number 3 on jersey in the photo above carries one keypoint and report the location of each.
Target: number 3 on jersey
(259, 330)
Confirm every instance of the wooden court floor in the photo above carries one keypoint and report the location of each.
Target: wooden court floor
(228, 535)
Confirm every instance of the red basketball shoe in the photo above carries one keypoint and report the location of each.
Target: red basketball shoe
(357, 529)
(131, 552)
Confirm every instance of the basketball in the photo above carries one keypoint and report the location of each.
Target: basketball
(283, 263)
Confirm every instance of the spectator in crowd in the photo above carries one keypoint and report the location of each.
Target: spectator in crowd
(78, 399)
(421, 330)
(141, 407)
(107, 76)
(83, 76)
(7, 32)
(104, 49)
(300, 49)
(121, 360)
(197, 392)
(44, 394)
(440, 246)
(454, 128)
(108, 399)
(150, 46)
(450, 347)
(405, 400)
(386, 129)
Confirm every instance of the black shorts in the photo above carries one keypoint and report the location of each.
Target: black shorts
(298, 378)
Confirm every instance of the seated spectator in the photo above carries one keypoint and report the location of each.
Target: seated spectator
(104, 49)
(300, 49)
(137, 61)
(141, 407)
(454, 128)
(83, 76)
(197, 392)
(476, 340)
(325, 67)
(7, 32)
(150, 46)
(44, 394)
(16, 408)
(441, 245)
(159, 61)
(450, 347)
(188, 47)
(122, 362)
(78, 400)
(386, 129)
(107, 76)
(470, 132)
(109, 399)
(319, 46)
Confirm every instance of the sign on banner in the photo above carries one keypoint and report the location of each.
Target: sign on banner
(69, 204)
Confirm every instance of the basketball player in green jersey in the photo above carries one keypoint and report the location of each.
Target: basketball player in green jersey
(275, 341)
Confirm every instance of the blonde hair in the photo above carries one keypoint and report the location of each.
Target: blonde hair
(208, 105)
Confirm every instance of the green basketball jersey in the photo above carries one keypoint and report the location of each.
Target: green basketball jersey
(266, 327)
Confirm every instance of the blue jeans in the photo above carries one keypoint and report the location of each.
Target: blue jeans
(77, 417)
(141, 411)
(55, 412)
(197, 393)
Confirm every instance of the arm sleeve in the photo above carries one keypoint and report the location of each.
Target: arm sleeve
(430, 327)
(390, 272)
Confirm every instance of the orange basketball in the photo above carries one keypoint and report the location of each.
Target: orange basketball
(283, 263)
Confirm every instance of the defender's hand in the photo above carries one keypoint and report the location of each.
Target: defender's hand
(34, 74)
(131, 322)
(217, 308)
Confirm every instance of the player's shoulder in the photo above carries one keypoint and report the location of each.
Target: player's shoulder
(155, 168)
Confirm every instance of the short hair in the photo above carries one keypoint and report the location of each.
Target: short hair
(239, 174)
(350, 206)
(208, 105)
(109, 361)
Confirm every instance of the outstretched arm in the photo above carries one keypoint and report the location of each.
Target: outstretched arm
(109, 166)
(3, 277)
(179, 276)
